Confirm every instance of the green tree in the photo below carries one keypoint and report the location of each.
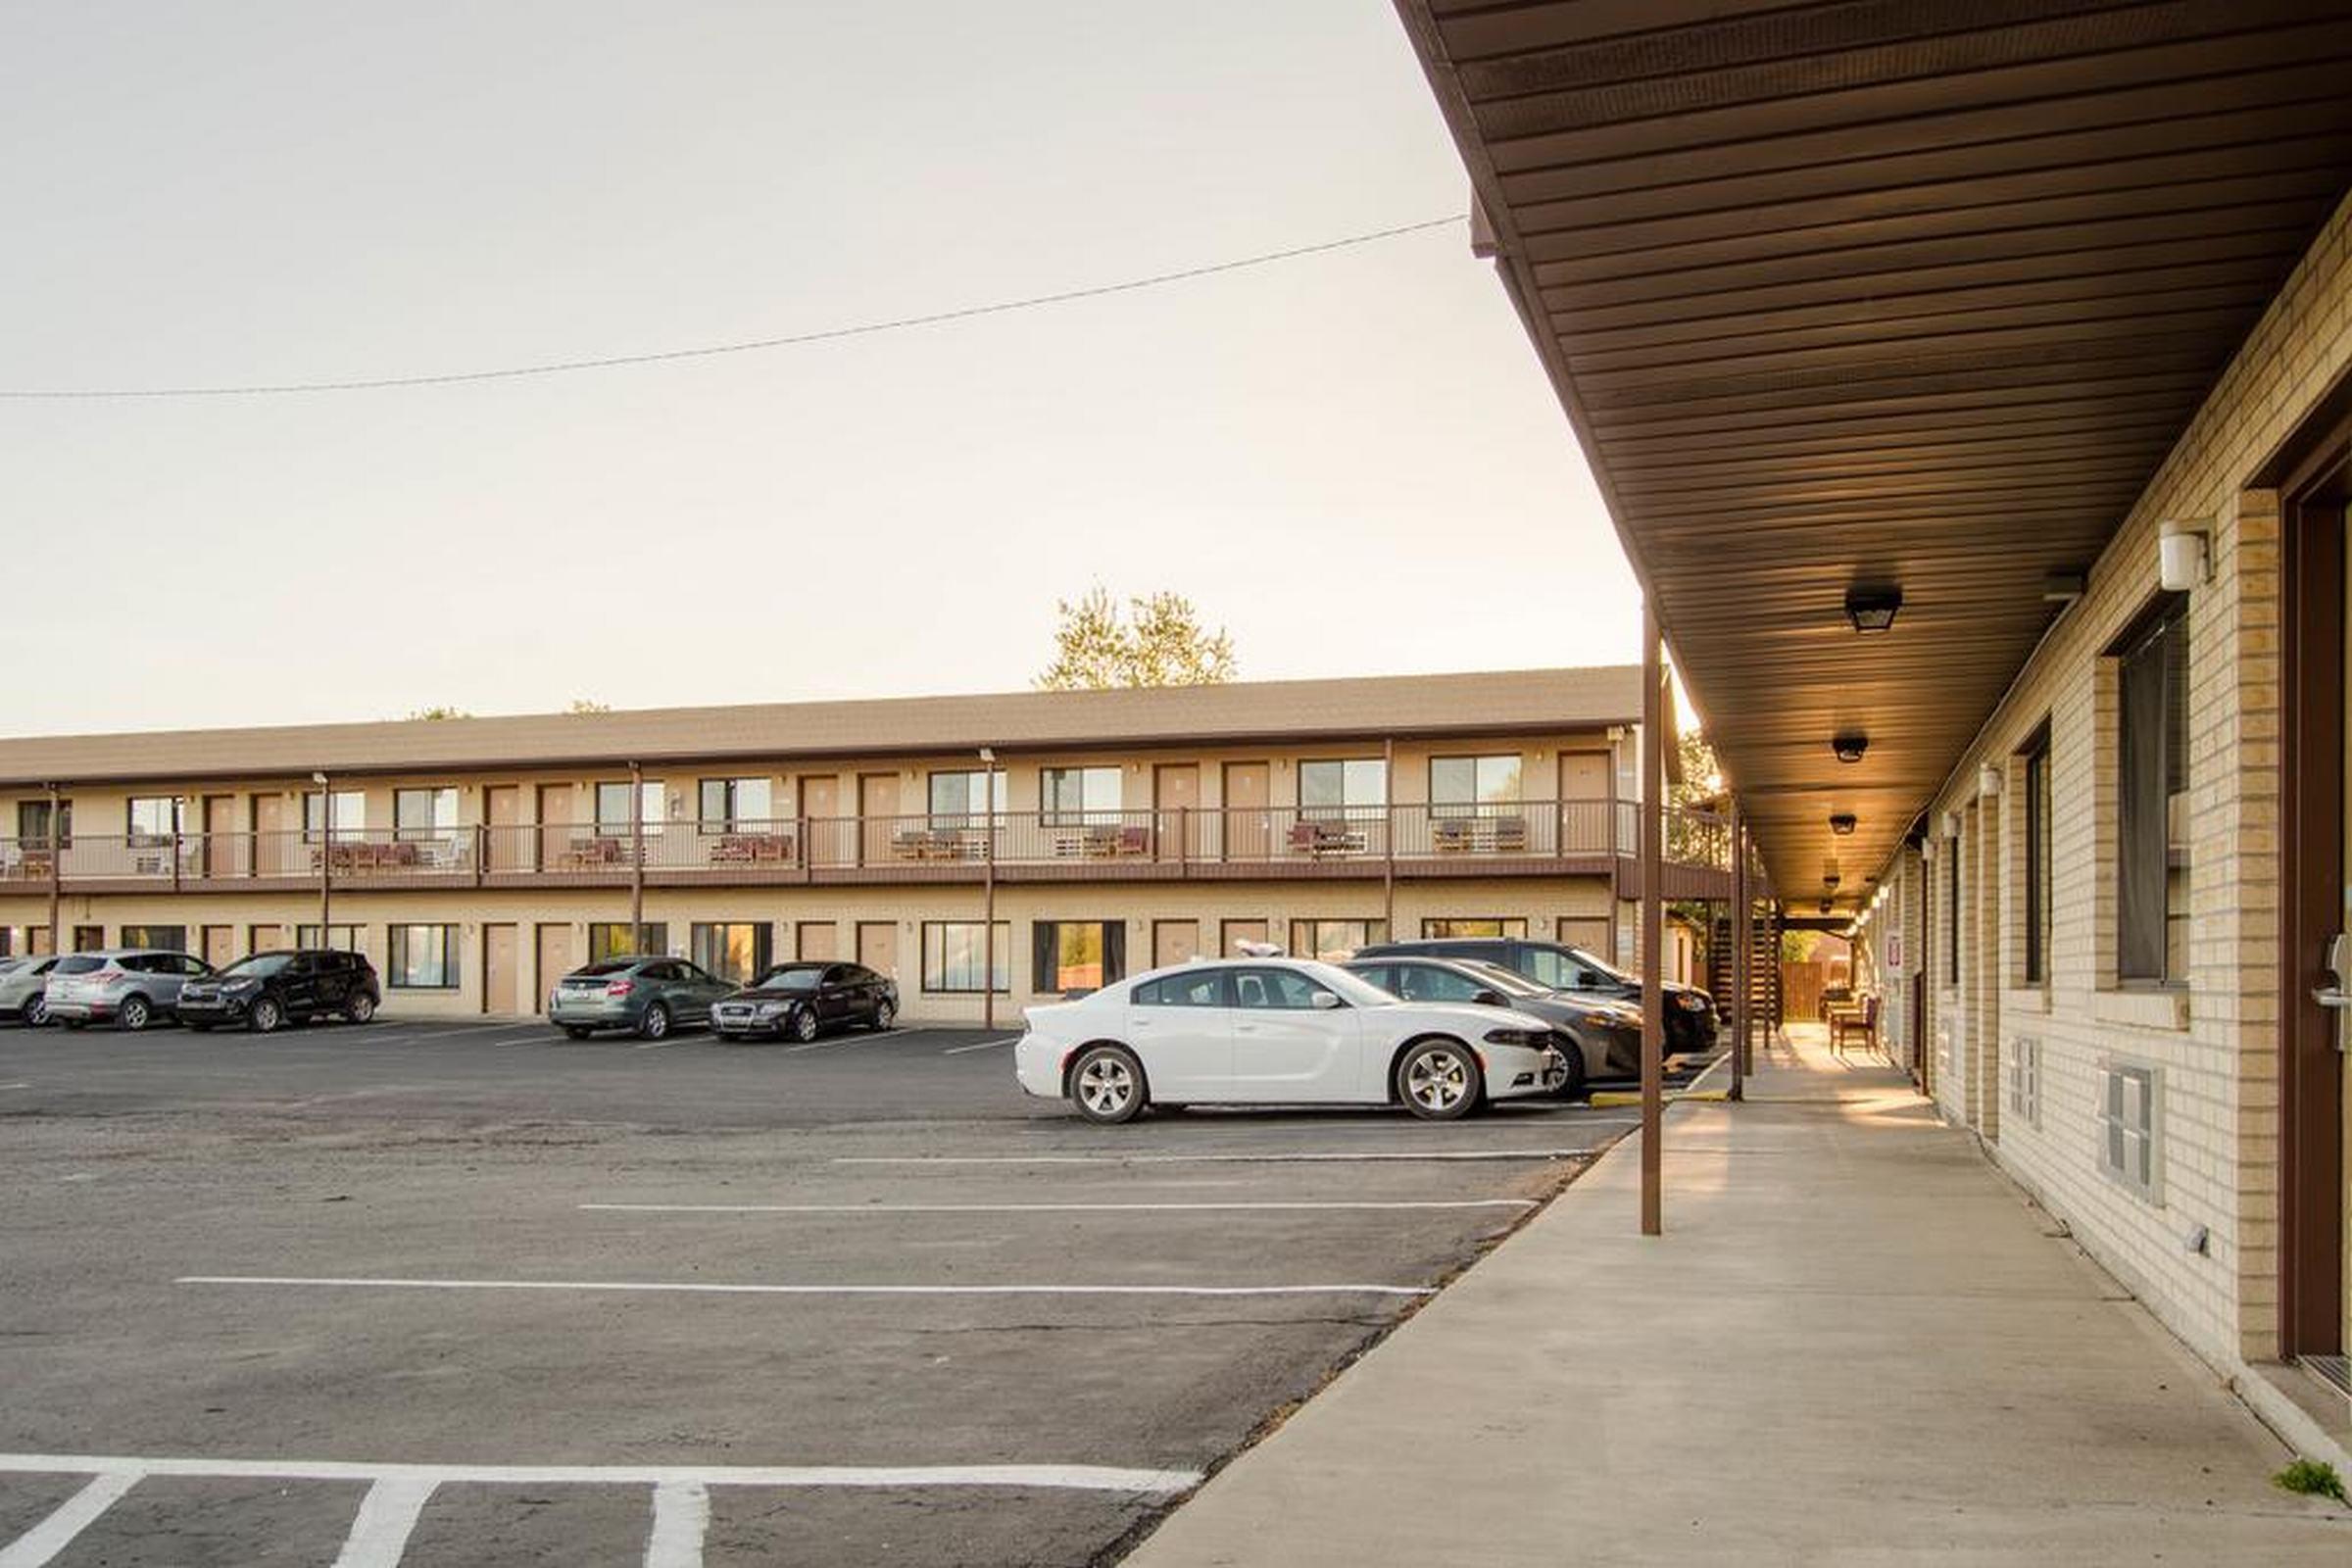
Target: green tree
(588, 704)
(440, 712)
(1156, 640)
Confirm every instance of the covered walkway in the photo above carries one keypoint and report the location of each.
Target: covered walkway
(1856, 1344)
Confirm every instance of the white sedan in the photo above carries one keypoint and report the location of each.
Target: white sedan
(1278, 1031)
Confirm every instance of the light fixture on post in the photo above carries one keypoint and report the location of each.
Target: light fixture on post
(2184, 550)
(1850, 745)
(1842, 823)
(1873, 609)
(1989, 780)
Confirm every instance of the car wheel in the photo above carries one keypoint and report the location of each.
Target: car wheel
(137, 1013)
(1438, 1080)
(655, 1025)
(266, 1014)
(803, 1025)
(886, 1012)
(36, 1012)
(1572, 1087)
(577, 1032)
(362, 1008)
(1106, 1085)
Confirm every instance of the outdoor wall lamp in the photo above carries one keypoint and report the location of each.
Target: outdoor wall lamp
(1989, 780)
(1829, 879)
(2182, 556)
(1849, 747)
(1842, 823)
(1873, 609)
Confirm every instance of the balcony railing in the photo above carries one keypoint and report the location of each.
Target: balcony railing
(1277, 841)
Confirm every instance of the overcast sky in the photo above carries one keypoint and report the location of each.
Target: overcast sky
(1351, 462)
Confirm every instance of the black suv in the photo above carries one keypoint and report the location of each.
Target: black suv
(268, 989)
(1691, 1022)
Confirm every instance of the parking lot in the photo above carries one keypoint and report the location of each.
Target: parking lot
(471, 1293)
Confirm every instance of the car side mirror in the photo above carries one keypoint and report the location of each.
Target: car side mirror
(1489, 999)
(1325, 1000)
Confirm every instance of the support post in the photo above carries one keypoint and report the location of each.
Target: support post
(326, 861)
(1653, 921)
(636, 857)
(57, 870)
(1741, 952)
(1387, 835)
(988, 897)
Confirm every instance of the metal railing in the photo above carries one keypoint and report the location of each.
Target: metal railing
(1278, 839)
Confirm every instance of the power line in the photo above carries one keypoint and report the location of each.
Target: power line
(751, 346)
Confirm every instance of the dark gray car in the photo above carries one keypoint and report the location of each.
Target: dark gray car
(647, 995)
(1607, 1035)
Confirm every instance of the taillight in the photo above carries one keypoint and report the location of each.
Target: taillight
(109, 972)
(621, 988)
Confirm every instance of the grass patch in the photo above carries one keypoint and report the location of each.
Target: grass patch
(2308, 1478)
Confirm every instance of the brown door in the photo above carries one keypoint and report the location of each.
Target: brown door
(263, 937)
(820, 804)
(219, 819)
(1584, 803)
(502, 811)
(879, 946)
(1176, 793)
(820, 940)
(556, 802)
(499, 942)
(877, 815)
(555, 961)
(1249, 825)
(1232, 933)
(220, 945)
(1174, 942)
(272, 855)
(1590, 932)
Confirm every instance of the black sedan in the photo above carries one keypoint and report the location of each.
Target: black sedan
(1606, 1035)
(803, 999)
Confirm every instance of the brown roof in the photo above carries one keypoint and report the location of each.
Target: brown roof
(1404, 705)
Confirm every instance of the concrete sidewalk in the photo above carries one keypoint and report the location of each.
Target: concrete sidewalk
(1856, 1344)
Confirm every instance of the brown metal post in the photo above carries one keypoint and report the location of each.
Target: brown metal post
(1388, 834)
(176, 803)
(326, 861)
(1653, 923)
(636, 857)
(988, 903)
(481, 851)
(57, 871)
(1739, 953)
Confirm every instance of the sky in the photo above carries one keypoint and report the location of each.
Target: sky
(1352, 463)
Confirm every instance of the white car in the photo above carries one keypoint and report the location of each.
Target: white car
(1278, 1031)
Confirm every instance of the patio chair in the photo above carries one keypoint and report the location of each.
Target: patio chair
(1850, 1021)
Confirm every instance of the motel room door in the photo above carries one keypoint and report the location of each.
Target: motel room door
(220, 945)
(1248, 824)
(219, 819)
(499, 957)
(271, 855)
(1176, 796)
(879, 946)
(1585, 803)
(1174, 942)
(877, 816)
(501, 813)
(556, 802)
(821, 808)
(555, 961)
(2315, 1086)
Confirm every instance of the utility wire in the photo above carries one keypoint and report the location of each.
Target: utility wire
(752, 346)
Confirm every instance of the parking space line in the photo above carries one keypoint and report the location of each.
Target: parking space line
(71, 1517)
(705, 1287)
(387, 1516)
(1052, 1206)
(843, 1040)
(681, 1517)
(980, 1045)
(1269, 1158)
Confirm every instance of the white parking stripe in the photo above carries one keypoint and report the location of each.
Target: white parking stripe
(1033, 1477)
(386, 1517)
(982, 1045)
(1043, 1206)
(56, 1532)
(843, 1040)
(1346, 1156)
(698, 1287)
(682, 1516)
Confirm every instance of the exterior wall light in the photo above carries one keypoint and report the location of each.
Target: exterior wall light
(1989, 780)
(1849, 747)
(2183, 556)
(1873, 609)
(1842, 823)
(1829, 879)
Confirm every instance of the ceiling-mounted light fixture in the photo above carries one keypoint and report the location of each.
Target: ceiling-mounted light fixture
(1873, 609)
(2064, 587)
(1842, 823)
(1829, 879)
(1825, 905)
(1850, 746)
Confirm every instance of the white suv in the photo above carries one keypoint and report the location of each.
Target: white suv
(133, 986)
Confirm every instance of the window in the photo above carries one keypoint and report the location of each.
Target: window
(612, 808)
(962, 800)
(1204, 988)
(349, 809)
(2024, 1072)
(1077, 955)
(1494, 926)
(2152, 804)
(955, 953)
(1335, 940)
(1275, 989)
(2127, 1126)
(728, 803)
(424, 813)
(169, 938)
(33, 822)
(1074, 795)
(1328, 786)
(342, 938)
(1951, 923)
(88, 938)
(1465, 783)
(617, 939)
(1578, 970)
(152, 819)
(2037, 805)
(1430, 982)
(425, 957)
(735, 950)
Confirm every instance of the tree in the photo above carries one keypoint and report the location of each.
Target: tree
(588, 704)
(1156, 640)
(440, 712)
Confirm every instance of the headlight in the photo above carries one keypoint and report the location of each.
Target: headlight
(1690, 1002)
(1517, 1037)
(772, 1010)
(241, 983)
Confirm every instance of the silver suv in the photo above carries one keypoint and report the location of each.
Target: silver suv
(133, 986)
(23, 988)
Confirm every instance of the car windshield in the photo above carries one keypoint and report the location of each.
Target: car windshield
(1603, 965)
(609, 966)
(258, 964)
(1508, 981)
(1355, 989)
(793, 977)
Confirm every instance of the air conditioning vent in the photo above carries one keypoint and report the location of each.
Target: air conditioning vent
(2131, 1125)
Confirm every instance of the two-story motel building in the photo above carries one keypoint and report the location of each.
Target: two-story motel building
(1099, 833)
